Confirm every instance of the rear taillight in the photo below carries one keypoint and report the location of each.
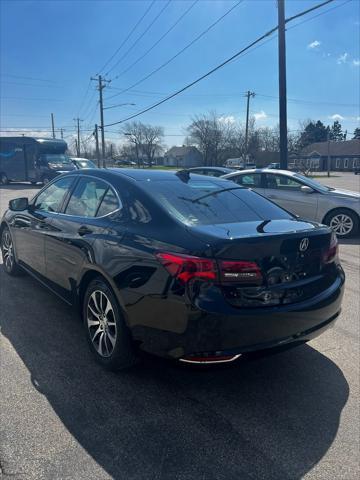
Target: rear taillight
(332, 253)
(240, 272)
(185, 267)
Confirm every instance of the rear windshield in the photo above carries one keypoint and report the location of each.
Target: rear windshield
(199, 202)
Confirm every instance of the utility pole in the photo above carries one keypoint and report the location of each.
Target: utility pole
(248, 94)
(62, 133)
(328, 154)
(282, 86)
(77, 148)
(52, 125)
(96, 135)
(101, 85)
(78, 120)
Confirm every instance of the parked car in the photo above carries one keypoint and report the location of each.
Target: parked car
(211, 171)
(311, 200)
(275, 166)
(82, 163)
(182, 266)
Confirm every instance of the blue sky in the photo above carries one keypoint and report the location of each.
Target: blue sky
(49, 50)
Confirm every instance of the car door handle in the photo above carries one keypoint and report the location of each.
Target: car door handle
(84, 230)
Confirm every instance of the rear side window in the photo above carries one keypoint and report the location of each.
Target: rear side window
(204, 203)
(109, 204)
(86, 198)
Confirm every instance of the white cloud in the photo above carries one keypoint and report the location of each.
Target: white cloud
(343, 58)
(356, 63)
(260, 115)
(227, 119)
(314, 44)
(336, 116)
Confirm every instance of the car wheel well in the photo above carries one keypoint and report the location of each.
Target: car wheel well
(2, 227)
(331, 212)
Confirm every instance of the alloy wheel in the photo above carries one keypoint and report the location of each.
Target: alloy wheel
(342, 224)
(7, 250)
(101, 323)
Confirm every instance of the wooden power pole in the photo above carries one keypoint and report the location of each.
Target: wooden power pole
(282, 86)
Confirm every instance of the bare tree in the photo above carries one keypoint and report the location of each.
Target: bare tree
(146, 140)
(208, 132)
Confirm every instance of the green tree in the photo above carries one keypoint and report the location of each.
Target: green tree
(356, 134)
(312, 133)
(336, 133)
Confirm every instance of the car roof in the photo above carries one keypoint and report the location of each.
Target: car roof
(142, 174)
(208, 168)
(260, 170)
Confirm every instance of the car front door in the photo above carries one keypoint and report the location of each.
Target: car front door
(31, 227)
(83, 220)
(286, 191)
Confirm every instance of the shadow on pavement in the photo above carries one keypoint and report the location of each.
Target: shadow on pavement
(20, 186)
(270, 418)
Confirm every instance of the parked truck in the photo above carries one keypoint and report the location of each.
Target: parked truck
(27, 159)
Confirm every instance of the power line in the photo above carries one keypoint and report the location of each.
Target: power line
(270, 32)
(252, 44)
(204, 32)
(37, 99)
(2, 82)
(128, 36)
(140, 37)
(158, 41)
(27, 78)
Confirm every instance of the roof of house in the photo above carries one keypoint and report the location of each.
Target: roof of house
(348, 147)
(181, 151)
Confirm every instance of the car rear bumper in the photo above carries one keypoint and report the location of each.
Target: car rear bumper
(206, 331)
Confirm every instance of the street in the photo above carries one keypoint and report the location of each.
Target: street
(286, 416)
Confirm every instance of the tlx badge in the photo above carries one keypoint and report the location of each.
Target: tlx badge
(304, 244)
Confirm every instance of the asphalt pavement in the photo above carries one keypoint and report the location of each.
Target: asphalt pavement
(282, 417)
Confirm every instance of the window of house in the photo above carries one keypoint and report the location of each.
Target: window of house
(346, 163)
(337, 163)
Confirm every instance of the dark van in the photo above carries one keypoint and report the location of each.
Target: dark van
(26, 159)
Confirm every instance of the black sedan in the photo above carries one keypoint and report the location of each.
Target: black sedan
(182, 266)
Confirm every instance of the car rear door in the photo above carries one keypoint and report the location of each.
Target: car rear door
(286, 191)
(31, 227)
(83, 221)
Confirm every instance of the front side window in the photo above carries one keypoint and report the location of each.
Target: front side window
(55, 159)
(281, 182)
(50, 199)
(249, 180)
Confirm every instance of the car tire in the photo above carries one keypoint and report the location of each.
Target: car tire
(106, 331)
(344, 222)
(8, 254)
(3, 179)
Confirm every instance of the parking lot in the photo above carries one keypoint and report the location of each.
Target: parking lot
(286, 416)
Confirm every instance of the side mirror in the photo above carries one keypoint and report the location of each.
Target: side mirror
(306, 189)
(19, 204)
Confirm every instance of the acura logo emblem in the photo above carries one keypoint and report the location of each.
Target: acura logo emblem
(304, 244)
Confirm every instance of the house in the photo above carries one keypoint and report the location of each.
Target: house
(344, 156)
(183, 157)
